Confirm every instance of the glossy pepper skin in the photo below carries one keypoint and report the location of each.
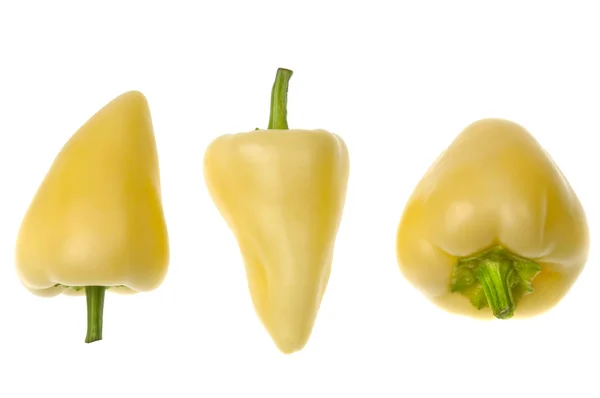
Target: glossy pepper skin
(96, 221)
(282, 193)
(493, 223)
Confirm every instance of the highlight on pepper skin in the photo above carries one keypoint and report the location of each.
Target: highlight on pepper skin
(293, 185)
(96, 222)
(493, 229)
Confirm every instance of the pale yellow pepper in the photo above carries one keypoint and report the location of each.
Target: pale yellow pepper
(282, 193)
(97, 221)
(493, 223)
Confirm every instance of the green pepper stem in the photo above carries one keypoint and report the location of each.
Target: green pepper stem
(496, 278)
(95, 308)
(278, 116)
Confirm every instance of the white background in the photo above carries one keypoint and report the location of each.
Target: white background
(398, 80)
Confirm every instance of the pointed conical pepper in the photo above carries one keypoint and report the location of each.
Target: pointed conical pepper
(282, 193)
(493, 228)
(96, 221)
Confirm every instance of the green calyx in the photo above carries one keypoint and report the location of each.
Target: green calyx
(494, 278)
(80, 288)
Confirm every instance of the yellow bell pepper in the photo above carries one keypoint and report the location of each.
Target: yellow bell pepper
(96, 221)
(282, 194)
(493, 223)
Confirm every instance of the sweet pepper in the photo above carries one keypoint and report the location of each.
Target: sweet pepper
(96, 221)
(282, 194)
(493, 223)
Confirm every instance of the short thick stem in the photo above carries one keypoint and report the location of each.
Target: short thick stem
(278, 117)
(496, 278)
(95, 308)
